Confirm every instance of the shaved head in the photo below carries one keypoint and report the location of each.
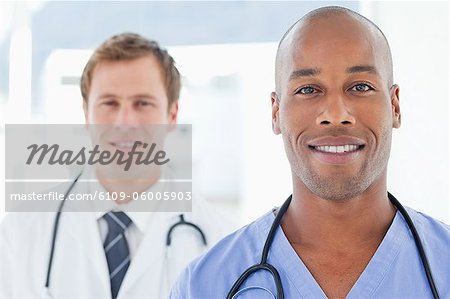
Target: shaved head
(333, 18)
(334, 87)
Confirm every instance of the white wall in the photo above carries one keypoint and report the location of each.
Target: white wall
(419, 166)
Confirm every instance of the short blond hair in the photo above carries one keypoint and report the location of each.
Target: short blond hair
(129, 46)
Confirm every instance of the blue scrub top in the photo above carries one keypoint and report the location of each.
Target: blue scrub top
(395, 270)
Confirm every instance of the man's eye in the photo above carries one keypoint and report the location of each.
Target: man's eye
(143, 103)
(306, 90)
(110, 103)
(362, 87)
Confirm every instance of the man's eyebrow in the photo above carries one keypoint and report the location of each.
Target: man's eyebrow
(135, 96)
(106, 96)
(143, 96)
(311, 72)
(362, 69)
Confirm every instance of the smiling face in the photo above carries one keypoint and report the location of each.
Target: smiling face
(128, 92)
(335, 105)
(127, 97)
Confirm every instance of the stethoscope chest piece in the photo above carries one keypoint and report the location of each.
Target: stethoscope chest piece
(252, 292)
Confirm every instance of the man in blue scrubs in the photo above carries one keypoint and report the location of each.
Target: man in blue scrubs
(335, 106)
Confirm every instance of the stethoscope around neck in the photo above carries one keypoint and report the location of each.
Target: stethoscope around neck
(264, 265)
(181, 222)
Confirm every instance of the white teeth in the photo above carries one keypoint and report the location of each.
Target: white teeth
(337, 149)
(124, 144)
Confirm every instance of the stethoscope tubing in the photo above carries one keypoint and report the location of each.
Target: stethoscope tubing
(419, 245)
(55, 231)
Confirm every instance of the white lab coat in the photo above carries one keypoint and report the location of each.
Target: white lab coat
(79, 267)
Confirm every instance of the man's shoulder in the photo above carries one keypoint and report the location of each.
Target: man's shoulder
(210, 216)
(435, 238)
(19, 228)
(27, 219)
(31, 215)
(227, 259)
(247, 238)
(432, 231)
(426, 221)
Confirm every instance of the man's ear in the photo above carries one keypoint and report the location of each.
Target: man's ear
(173, 115)
(85, 110)
(275, 110)
(395, 104)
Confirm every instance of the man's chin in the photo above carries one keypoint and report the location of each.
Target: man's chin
(336, 187)
(337, 196)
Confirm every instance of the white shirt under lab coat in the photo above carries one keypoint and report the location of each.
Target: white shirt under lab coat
(79, 266)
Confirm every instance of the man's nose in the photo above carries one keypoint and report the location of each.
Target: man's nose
(126, 116)
(335, 111)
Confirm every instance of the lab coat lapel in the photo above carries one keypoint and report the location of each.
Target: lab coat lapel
(149, 257)
(82, 257)
(154, 268)
(88, 233)
(83, 232)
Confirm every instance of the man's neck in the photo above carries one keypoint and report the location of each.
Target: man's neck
(337, 239)
(318, 223)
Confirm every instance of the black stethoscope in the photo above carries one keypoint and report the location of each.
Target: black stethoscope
(264, 265)
(180, 222)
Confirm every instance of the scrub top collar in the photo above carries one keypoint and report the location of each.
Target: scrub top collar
(297, 274)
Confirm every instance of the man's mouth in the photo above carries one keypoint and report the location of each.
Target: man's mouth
(337, 149)
(124, 145)
(336, 154)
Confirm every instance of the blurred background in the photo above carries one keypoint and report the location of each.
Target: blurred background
(225, 52)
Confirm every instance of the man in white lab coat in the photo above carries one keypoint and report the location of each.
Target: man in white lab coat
(117, 253)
